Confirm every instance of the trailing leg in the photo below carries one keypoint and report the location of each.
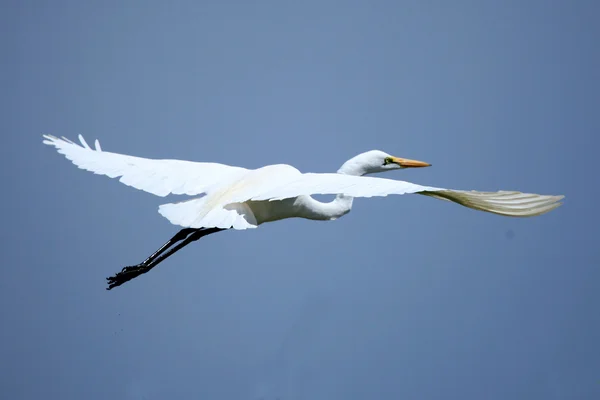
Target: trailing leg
(185, 236)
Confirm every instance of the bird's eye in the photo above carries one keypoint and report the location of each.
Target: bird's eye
(387, 160)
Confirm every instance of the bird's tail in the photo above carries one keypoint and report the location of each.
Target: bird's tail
(513, 204)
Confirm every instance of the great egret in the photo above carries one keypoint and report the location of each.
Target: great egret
(239, 198)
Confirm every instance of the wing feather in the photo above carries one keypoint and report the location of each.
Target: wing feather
(159, 177)
(333, 183)
(507, 203)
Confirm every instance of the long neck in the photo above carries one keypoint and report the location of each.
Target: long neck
(306, 206)
(350, 167)
(342, 204)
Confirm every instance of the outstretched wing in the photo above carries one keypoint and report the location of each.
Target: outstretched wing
(334, 183)
(159, 177)
(515, 204)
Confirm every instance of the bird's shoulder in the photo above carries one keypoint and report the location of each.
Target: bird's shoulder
(278, 169)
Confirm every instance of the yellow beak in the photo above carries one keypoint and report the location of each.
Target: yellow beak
(406, 163)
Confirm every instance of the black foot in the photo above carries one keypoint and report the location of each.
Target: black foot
(126, 274)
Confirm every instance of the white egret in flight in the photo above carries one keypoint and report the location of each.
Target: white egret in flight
(228, 197)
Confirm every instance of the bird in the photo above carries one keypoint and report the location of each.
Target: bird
(223, 197)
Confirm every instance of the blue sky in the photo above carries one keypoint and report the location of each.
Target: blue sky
(405, 297)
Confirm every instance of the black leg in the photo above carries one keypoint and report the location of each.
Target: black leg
(157, 257)
(179, 236)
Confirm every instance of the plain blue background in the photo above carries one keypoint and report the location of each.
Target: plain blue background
(405, 297)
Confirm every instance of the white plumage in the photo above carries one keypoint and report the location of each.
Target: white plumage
(240, 198)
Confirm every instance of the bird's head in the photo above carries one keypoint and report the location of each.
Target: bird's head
(375, 161)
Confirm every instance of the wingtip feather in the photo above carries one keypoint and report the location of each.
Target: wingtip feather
(83, 142)
(511, 204)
